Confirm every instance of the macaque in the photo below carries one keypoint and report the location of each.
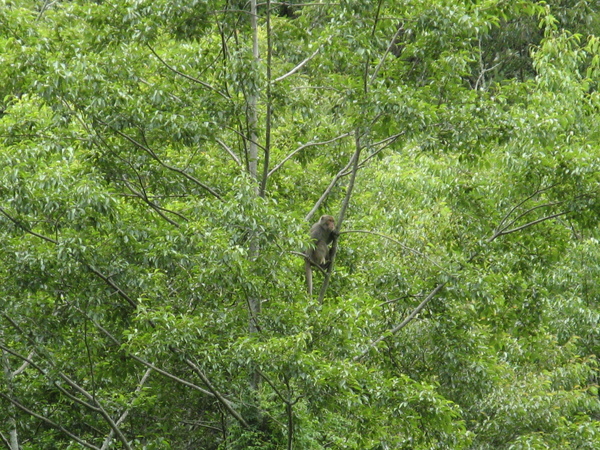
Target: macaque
(322, 234)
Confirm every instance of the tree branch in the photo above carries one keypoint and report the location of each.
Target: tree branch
(217, 394)
(91, 268)
(521, 203)
(298, 67)
(123, 416)
(387, 51)
(342, 173)
(195, 80)
(527, 225)
(349, 190)
(143, 361)
(228, 150)
(402, 324)
(49, 422)
(303, 146)
(396, 241)
(160, 161)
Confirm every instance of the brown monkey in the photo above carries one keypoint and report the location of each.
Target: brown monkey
(322, 234)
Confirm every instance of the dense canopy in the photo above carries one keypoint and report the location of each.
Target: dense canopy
(161, 163)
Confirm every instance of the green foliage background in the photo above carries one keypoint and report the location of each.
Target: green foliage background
(137, 241)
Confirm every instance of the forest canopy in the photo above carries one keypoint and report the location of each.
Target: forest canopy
(162, 162)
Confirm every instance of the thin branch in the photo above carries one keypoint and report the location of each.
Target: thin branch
(483, 70)
(49, 422)
(112, 284)
(521, 203)
(143, 361)
(298, 67)
(160, 161)
(47, 4)
(231, 153)
(347, 171)
(527, 225)
(106, 279)
(20, 225)
(349, 190)
(387, 51)
(195, 80)
(510, 223)
(288, 407)
(402, 324)
(4, 439)
(159, 210)
(123, 416)
(386, 142)
(269, 108)
(95, 405)
(396, 241)
(244, 137)
(367, 59)
(342, 173)
(303, 146)
(217, 394)
(23, 366)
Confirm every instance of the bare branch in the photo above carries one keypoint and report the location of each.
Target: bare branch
(23, 366)
(228, 150)
(94, 405)
(500, 230)
(402, 324)
(216, 393)
(48, 421)
(106, 279)
(387, 51)
(342, 173)
(112, 284)
(527, 225)
(195, 80)
(143, 361)
(123, 416)
(521, 203)
(160, 161)
(24, 228)
(396, 241)
(349, 190)
(298, 67)
(303, 146)
(159, 210)
(4, 439)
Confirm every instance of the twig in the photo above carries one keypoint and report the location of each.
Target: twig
(298, 67)
(534, 222)
(48, 421)
(396, 241)
(228, 150)
(302, 147)
(387, 51)
(402, 324)
(160, 161)
(216, 393)
(195, 80)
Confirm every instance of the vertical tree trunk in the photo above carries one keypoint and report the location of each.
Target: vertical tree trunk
(12, 423)
(253, 303)
(253, 102)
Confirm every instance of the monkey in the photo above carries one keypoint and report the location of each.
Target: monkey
(322, 234)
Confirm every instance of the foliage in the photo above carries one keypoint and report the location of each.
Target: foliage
(159, 162)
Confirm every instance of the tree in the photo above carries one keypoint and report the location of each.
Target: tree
(160, 163)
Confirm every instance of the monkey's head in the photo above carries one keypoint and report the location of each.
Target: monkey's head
(327, 222)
